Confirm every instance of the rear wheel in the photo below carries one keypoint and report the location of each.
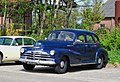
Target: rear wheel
(28, 66)
(62, 66)
(100, 62)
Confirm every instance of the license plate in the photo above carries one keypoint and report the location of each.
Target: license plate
(31, 63)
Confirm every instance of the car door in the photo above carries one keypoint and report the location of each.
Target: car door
(91, 47)
(80, 47)
(13, 51)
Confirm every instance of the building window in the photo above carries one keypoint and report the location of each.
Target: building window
(102, 25)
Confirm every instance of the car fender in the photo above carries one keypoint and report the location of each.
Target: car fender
(59, 53)
(103, 52)
(70, 54)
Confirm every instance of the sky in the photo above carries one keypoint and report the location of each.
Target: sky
(81, 3)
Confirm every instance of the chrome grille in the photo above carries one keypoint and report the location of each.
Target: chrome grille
(36, 55)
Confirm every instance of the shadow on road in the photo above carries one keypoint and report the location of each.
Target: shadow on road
(81, 68)
(42, 70)
(10, 64)
(51, 69)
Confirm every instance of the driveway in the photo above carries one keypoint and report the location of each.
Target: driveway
(11, 72)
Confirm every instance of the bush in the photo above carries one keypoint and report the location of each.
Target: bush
(43, 36)
(114, 56)
(110, 40)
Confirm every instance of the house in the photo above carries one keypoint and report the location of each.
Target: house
(109, 13)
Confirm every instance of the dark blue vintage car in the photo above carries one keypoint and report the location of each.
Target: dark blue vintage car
(65, 48)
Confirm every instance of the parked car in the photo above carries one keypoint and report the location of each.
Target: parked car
(10, 47)
(65, 48)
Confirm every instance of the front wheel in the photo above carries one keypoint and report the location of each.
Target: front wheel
(28, 66)
(100, 62)
(62, 66)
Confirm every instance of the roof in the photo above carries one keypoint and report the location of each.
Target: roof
(15, 36)
(77, 31)
(108, 8)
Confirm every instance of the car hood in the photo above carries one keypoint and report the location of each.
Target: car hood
(53, 44)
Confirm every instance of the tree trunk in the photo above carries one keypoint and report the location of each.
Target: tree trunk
(68, 13)
(34, 20)
(55, 14)
(43, 18)
(4, 19)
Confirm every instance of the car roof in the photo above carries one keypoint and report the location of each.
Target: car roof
(77, 31)
(15, 37)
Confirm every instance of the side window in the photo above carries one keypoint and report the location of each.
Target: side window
(17, 42)
(28, 41)
(80, 38)
(52, 36)
(96, 39)
(89, 39)
(7, 41)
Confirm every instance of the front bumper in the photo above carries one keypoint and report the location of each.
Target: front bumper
(49, 61)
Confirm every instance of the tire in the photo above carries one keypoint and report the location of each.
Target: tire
(62, 67)
(28, 67)
(1, 59)
(100, 62)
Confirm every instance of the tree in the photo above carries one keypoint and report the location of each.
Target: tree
(91, 15)
(55, 12)
(23, 9)
(6, 11)
(43, 17)
(15, 10)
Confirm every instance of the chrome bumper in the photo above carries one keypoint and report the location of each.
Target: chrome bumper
(37, 62)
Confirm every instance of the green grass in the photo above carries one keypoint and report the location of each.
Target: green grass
(114, 56)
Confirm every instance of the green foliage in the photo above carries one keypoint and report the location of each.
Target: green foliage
(110, 39)
(74, 18)
(91, 15)
(35, 36)
(38, 37)
(114, 56)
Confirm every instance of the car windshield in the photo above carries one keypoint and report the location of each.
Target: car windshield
(5, 41)
(62, 35)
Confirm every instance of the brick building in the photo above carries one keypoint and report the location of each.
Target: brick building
(111, 12)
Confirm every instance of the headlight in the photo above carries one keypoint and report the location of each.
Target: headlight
(22, 50)
(52, 52)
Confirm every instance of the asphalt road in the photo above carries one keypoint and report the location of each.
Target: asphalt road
(11, 72)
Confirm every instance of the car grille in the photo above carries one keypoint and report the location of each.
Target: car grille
(36, 55)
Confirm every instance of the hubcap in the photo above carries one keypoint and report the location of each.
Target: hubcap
(62, 63)
(99, 60)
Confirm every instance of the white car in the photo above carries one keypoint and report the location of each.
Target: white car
(10, 47)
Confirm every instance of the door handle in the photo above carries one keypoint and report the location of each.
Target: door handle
(95, 45)
(86, 45)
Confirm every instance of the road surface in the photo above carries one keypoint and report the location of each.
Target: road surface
(11, 72)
